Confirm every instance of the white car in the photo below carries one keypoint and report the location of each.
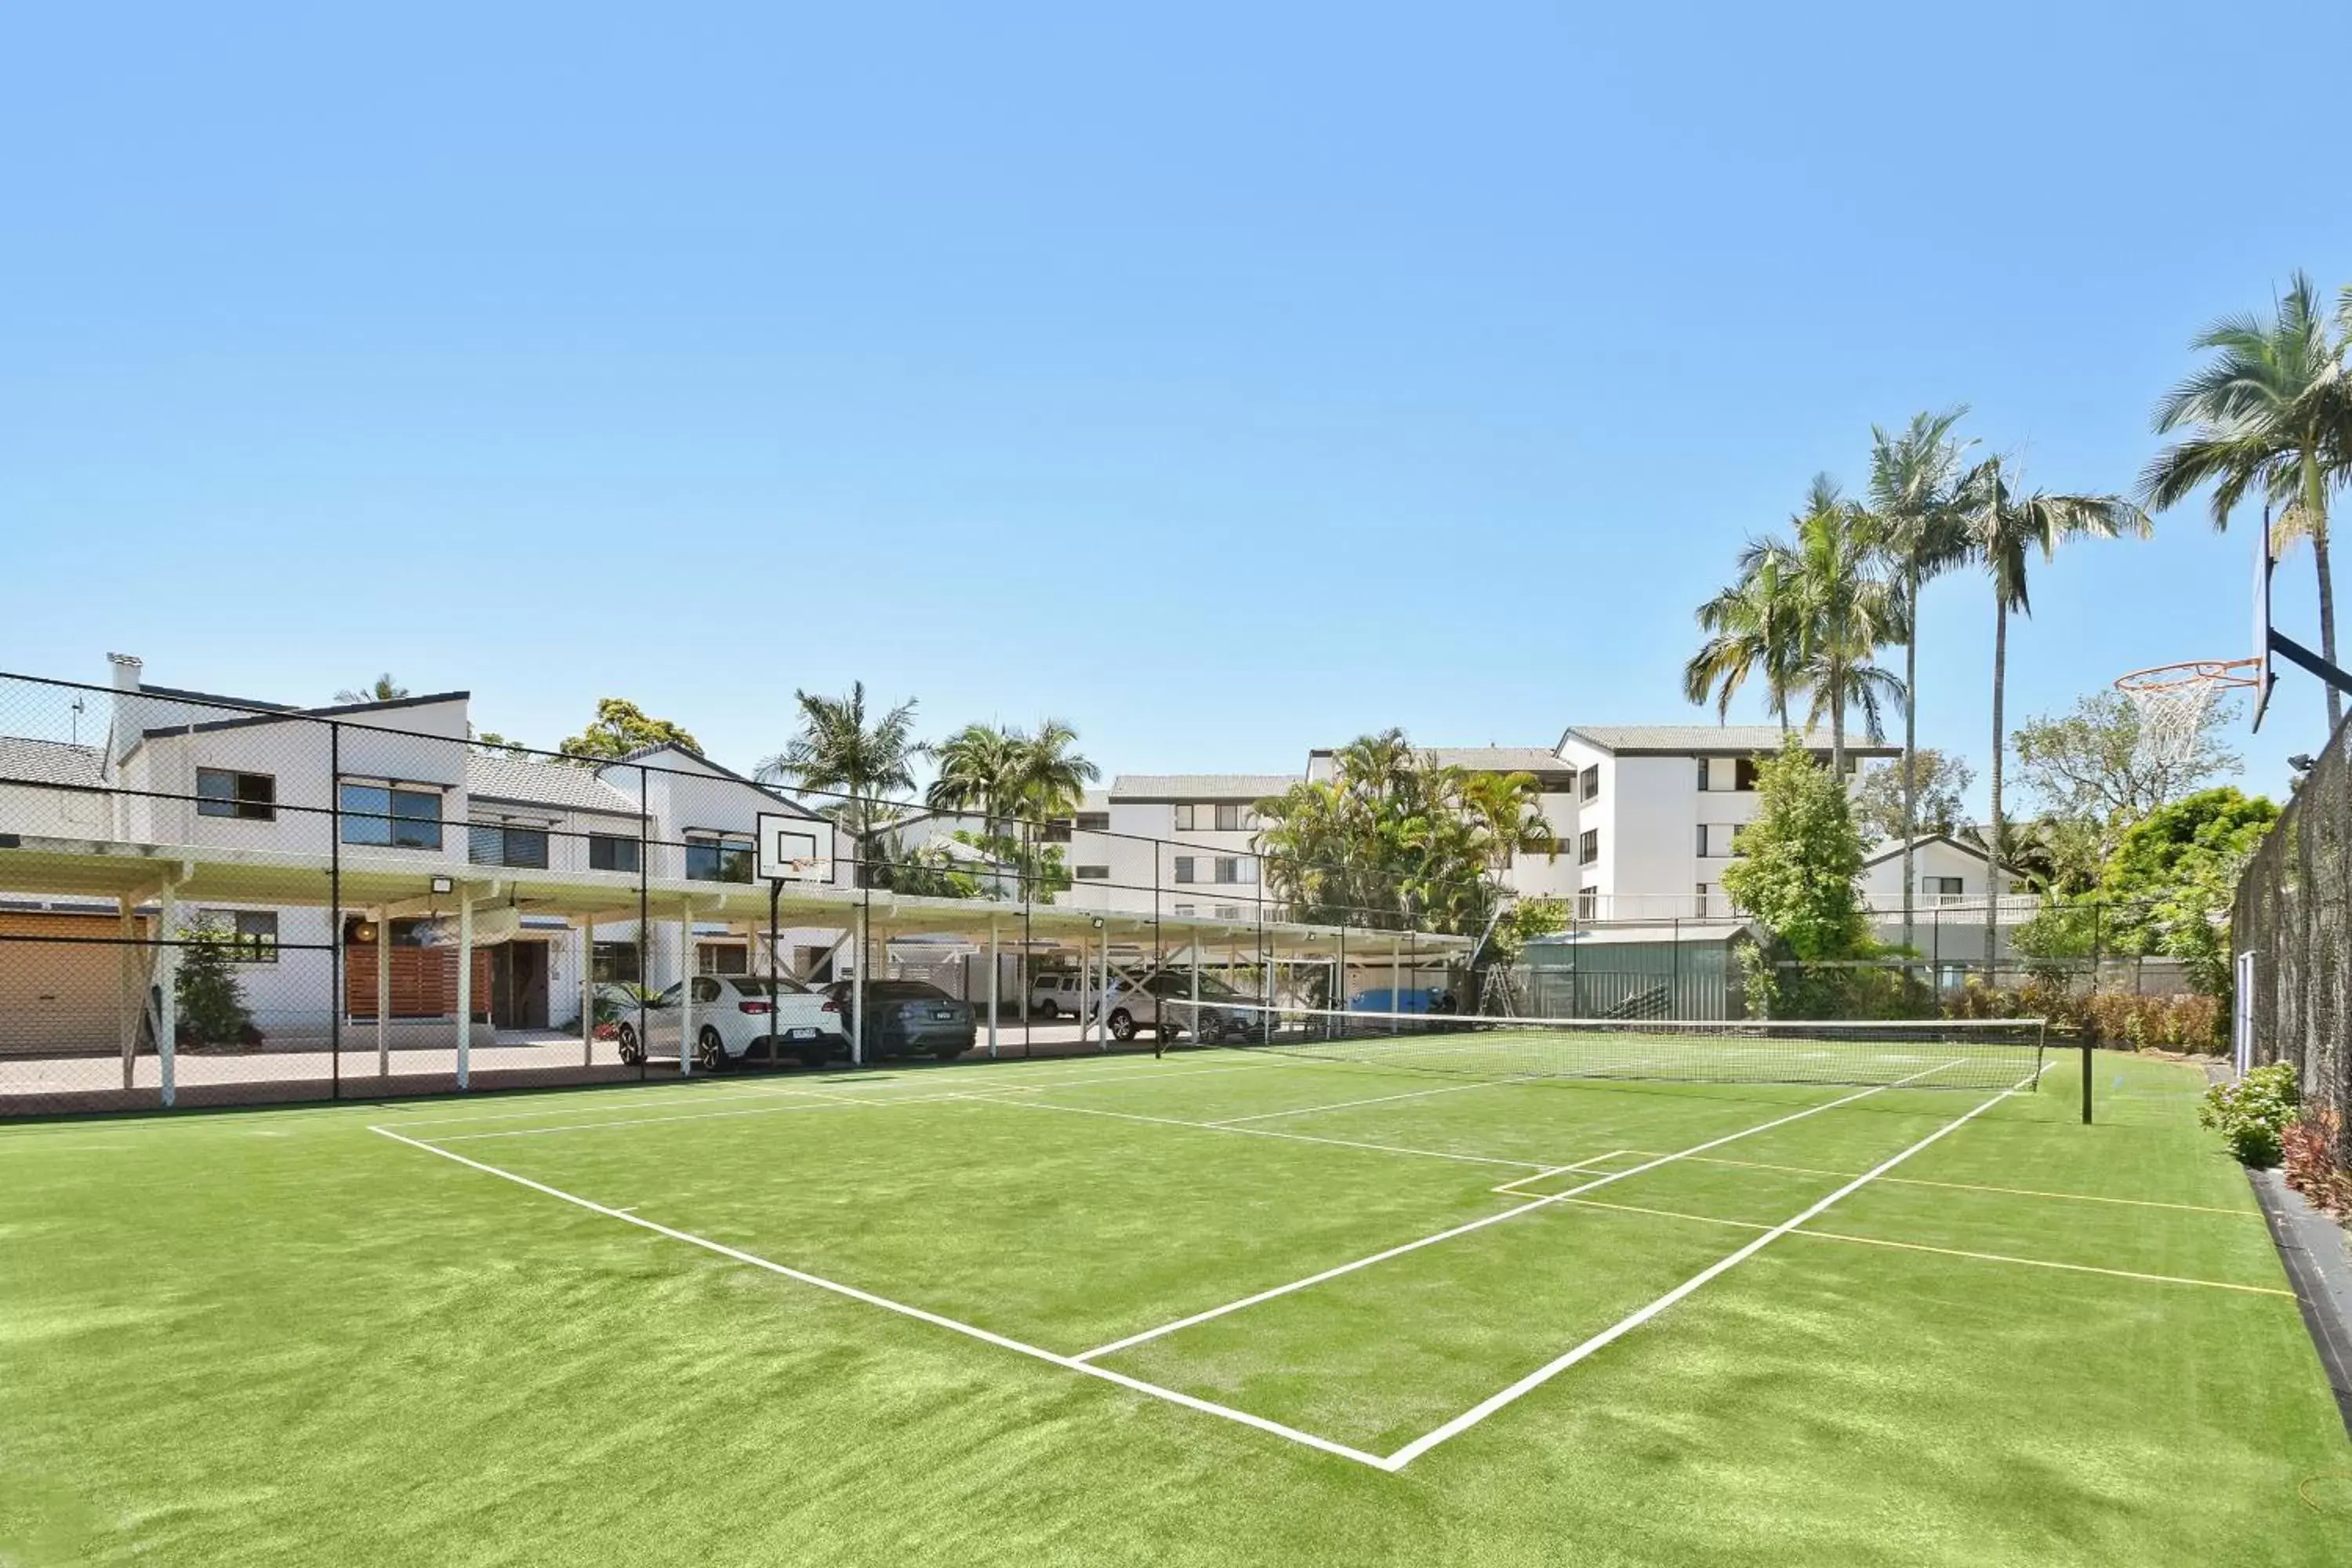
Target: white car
(1059, 996)
(1222, 1013)
(734, 1018)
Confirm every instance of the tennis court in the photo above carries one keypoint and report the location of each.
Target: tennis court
(1687, 1295)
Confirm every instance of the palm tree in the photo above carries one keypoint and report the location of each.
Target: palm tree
(1847, 610)
(1751, 631)
(2271, 410)
(864, 766)
(976, 767)
(1049, 775)
(2004, 530)
(1913, 492)
(384, 689)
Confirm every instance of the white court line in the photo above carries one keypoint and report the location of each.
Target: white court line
(1535, 1166)
(813, 1102)
(970, 1331)
(1528, 1207)
(1376, 1099)
(1634, 1320)
(1983, 1187)
(1514, 1187)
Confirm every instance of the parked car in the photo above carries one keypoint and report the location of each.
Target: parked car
(735, 1017)
(908, 1018)
(1163, 1003)
(1059, 995)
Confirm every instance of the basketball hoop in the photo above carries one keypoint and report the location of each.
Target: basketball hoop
(2172, 701)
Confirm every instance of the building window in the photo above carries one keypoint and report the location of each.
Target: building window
(1054, 832)
(1233, 869)
(722, 958)
(1589, 782)
(1094, 822)
(1587, 903)
(1941, 887)
(611, 852)
(1184, 868)
(403, 818)
(496, 845)
(252, 797)
(1588, 846)
(1091, 873)
(1743, 773)
(1188, 817)
(251, 934)
(718, 860)
(1229, 912)
(1702, 840)
(615, 964)
(1739, 831)
(1702, 786)
(1185, 911)
(1702, 909)
(1229, 819)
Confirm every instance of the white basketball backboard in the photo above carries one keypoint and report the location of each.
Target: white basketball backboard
(795, 848)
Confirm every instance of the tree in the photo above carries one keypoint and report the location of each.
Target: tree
(384, 689)
(2090, 764)
(2272, 410)
(622, 729)
(863, 766)
(2005, 528)
(1920, 794)
(1798, 870)
(2172, 875)
(1394, 838)
(1752, 631)
(207, 999)
(1847, 611)
(1915, 491)
(1013, 780)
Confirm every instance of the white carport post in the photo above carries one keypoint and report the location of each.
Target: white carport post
(685, 991)
(857, 990)
(587, 990)
(995, 981)
(167, 986)
(383, 993)
(465, 986)
(131, 1000)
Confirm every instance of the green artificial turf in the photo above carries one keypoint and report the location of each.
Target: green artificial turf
(279, 1337)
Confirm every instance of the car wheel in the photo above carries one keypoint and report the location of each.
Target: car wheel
(1049, 1012)
(1122, 1027)
(815, 1054)
(631, 1052)
(709, 1050)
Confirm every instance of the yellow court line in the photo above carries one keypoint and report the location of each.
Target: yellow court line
(1512, 1189)
(1939, 1251)
(1979, 1187)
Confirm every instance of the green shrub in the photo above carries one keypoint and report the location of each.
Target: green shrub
(208, 998)
(2252, 1113)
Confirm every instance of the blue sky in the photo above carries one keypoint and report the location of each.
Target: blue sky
(1227, 379)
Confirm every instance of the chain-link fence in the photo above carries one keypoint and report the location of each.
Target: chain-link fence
(2291, 932)
(204, 900)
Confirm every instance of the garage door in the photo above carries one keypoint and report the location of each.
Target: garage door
(62, 983)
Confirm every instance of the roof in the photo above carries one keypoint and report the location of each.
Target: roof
(1711, 740)
(1894, 846)
(280, 715)
(27, 761)
(543, 783)
(773, 791)
(1497, 759)
(1199, 786)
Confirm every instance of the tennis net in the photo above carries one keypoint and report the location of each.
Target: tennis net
(1931, 1053)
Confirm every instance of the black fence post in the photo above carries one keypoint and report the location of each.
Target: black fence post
(644, 910)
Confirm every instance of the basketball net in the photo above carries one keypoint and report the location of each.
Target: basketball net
(2173, 699)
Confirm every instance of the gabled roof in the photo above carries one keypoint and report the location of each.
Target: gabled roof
(1499, 758)
(532, 782)
(1199, 786)
(1893, 848)
(643, 753)
(26, 761)
(1708, 740)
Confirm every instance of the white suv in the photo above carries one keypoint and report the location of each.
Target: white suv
(1059, 996)
(734, 1018)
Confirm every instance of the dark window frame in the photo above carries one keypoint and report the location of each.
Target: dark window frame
(399, 829)
(237, 802)
(1588, 846)
(609, 846)
(721, 856)
(507, 833)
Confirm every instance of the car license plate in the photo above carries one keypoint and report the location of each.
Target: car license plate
(800, 1034)
(943, 1014)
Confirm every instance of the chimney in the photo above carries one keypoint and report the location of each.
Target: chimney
(127, 666)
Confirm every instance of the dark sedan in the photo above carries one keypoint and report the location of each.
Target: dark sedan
(910, 1018)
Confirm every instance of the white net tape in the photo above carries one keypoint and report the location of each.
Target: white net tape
(2173, 699)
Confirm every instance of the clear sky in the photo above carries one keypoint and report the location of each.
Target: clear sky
(1225, 379)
